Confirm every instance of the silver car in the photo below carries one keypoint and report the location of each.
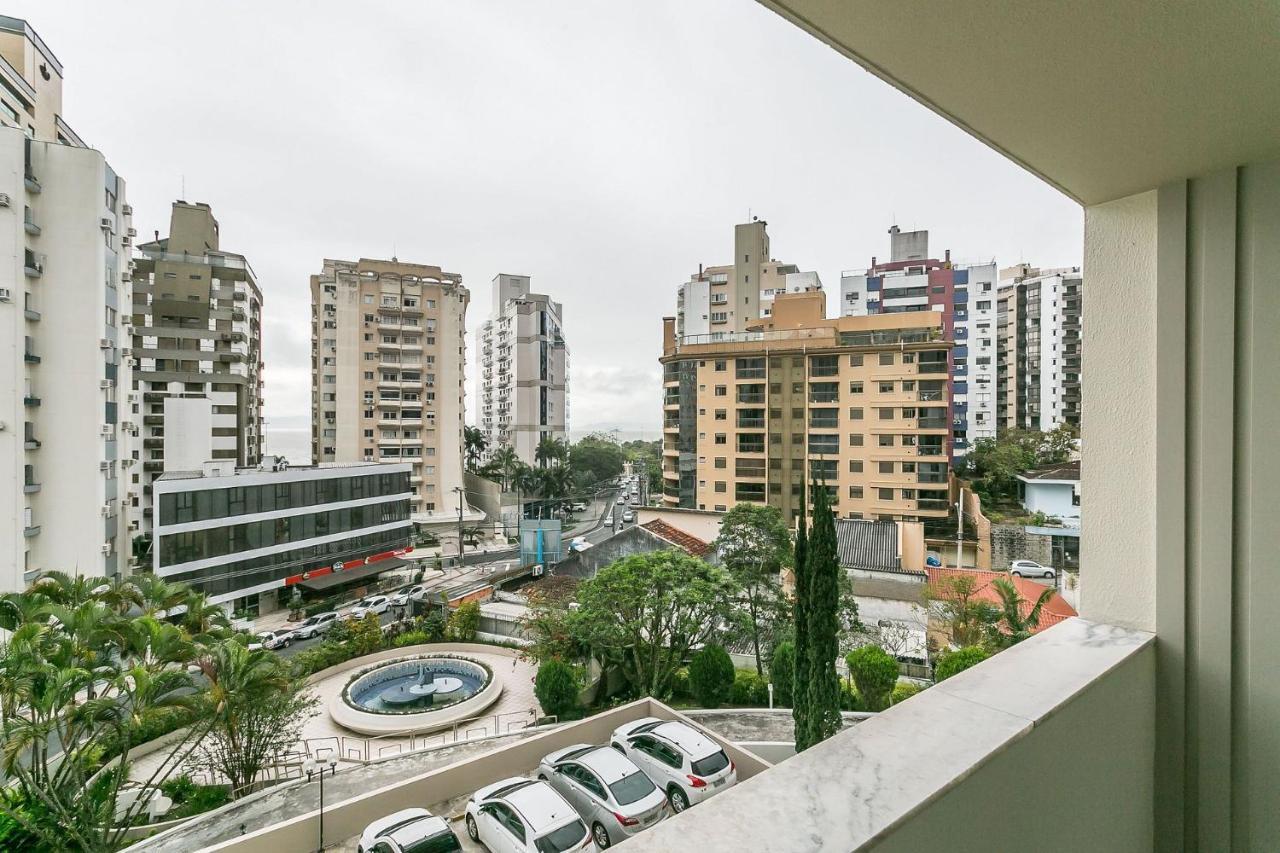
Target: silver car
(607, 789)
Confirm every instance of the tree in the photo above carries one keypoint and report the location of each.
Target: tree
(874, 673)
(547, 624)
(753, 546)
(464, 621)
(966, 616)
(800, 685)
(950, 663)
(992, 465)
(506, 461)
(550, 450)
(368, 634)
(645, 612)
(524, 479)
(557, 686)
(595, 459)
(782, 672)
(1014, 626)
(711, 676)
(822, 626)
(475, 445)
(257, 709)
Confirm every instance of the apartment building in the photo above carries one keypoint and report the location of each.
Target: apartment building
(64, 297)
(858, 402)
(388, 351)
(1038, 347)
(197, 379)
(524, 369)
(721, 300)
(244, 536)
(964, 295)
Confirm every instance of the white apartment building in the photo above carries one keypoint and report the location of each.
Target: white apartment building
(64, 299)
(965, 296)
(197, 380)
(388, 351)
(244, 536)
(719, 300)
(524, 369)
(1039, 347)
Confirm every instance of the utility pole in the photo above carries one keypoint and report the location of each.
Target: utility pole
(959, 526)
(460, 492)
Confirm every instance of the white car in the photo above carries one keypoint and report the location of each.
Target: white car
(1031, 569)
(315, 626)
(579, 543)
(372, 604)
(684, 762)
(402, 596)
(622, 499)
(525, 816)
(578, 506)
(628, 517)
(611, 794)
(408, 831)
(279, 639)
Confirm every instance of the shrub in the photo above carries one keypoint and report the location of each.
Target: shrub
(680, 684)
(464, 621)
(368, 634)
(411, 638)
(179, 788)
(782, 672)
(434, 626)
(711, 676)
(849, 698)
(958, 661)
(874, 673)
(320, 657)
(557, 686)
(749, 689)
(904, 690)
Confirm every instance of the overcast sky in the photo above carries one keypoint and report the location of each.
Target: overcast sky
(604, 148)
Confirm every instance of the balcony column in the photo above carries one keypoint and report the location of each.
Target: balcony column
(1183, 366)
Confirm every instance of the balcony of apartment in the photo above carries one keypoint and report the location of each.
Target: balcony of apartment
(670, 400)
(32, 264)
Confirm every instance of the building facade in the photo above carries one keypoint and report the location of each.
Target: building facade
(388, 353)
(240, 535)
(722, 300)
(1039, 347)
(857, 402)
(524, 369)
(197, 351)
(965, 298)
(64, 300)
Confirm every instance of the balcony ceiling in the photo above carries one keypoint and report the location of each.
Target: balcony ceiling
(1100, 99)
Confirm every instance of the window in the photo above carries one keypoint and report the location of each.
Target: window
(855, 466)
(884, 467)
(721, 438)
(721, 486)
(824, 365)
(855, 387)
(721, 364)
(855, 414)
(885, 494)
(855, 439)
(721, 462)
(884, 440)
(855, 361)
(722, 390)
(722, 414)
(886, 414)
(855, 491)
(824, 445)
(886, 387)
(886, 358)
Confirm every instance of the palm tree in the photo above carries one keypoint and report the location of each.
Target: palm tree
(1013, 626)
(550, 450)
(524, 479)
(475, 444)
(156, 595)
(505, 460)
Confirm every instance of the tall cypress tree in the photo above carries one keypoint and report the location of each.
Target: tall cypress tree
(822, 582)
(800, 671)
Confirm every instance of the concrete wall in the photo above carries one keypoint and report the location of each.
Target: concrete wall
(1011, 542)
(700, 523)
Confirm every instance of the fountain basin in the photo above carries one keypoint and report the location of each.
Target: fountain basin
(415, 693)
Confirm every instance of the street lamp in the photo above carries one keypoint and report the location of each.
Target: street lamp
(318, 765)
(460, 492)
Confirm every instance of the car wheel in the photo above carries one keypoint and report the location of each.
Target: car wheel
(601, 836)
(472, 830)
(1048, 574)
(1016, 574)
(679, 799)
(542, 777)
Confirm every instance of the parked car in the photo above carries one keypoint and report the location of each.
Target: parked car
(684, 762)
(370, 604)
(402, 596)
(608, 520)
(628, 517)
(1031, 569)
(621, 499)
(315, 626)
(609, 791)
(279, 639)
(525, 816)
(578, 506)
(408, 831)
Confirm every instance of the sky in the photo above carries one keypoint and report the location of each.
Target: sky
(605, 149)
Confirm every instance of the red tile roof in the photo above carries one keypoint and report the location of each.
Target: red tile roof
(691, 545)
(1054, 611)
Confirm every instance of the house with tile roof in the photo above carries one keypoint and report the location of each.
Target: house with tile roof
(1055, 609)
(1053, 490)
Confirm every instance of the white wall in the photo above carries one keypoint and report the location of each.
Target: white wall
(1054, 499)
(188, 438)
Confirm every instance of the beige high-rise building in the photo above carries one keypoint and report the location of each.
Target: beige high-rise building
(388, 350)
(721, 300)
(524, 369)
(197, 330)
(860, 402)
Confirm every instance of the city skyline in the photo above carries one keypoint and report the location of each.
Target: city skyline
(622, 156)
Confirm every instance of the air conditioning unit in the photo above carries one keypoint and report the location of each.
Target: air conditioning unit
(5, 294)
(106, 430)
(106, 509)
(106, 547)
(132, 232)
(4, 199)
(127, 352)
(104, 343)
(124, 241)
(127, 209)
(106, 223)
(103, 465)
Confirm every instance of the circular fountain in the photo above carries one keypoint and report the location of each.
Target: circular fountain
(415, 693)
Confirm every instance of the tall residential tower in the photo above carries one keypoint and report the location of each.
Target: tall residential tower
(64, 300)
(1038, 348)
(387, 356)
(524, 369)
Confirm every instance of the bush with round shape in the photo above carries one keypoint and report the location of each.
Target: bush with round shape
(958, 661)
(782, 672)
(904, 690)
(557, 686)
(874, 673)
(711, 675)
(749, 689)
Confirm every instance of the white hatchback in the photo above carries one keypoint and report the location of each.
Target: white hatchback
(525, 816)
(1031, 569)
(372, 604)
(684, 762)
(408, 831)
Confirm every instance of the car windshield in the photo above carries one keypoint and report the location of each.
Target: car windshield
(313, 620)
(629, 789)
(711, 765)
(441, 842)
(564, 838)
